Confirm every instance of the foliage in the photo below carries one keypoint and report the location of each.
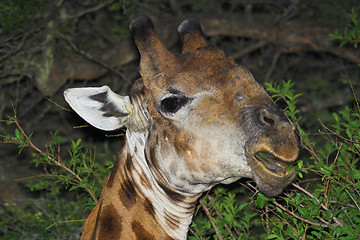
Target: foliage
(227, 215)
(286, 93)
(322, 204)
(15, 15)
(51, 218)
(327, 205)
(351, 32)
(69, 184)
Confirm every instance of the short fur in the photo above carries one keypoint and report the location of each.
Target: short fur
(193, 121)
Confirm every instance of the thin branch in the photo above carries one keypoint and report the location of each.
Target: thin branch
(195, 235)
(248, 50)
(57, 163)
(266, 220)
(286, 221)
(66, 221)
(88, 57)
(338, 222)
(318, 217)
(307, 145)
(208, 214)
(273, 66)
(87, 11)
(339, 136)
(294, 215)
(352, 199)
(219, 215)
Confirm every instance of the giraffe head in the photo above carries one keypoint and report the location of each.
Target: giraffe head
(206, 120)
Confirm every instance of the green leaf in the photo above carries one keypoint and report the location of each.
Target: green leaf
(18, 134)
(261, 200)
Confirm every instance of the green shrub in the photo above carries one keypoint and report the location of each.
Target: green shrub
(322, 204)
(71, 185)
(325, 205)
(351, 33)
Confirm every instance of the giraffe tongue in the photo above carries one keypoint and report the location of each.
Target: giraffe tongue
(271, 162)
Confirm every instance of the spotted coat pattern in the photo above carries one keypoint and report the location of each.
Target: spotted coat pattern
(193, 120)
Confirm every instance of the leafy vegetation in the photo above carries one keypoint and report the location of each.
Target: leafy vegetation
(325, 205)
(15, 15)
(322, 204)
(72, 187)
(351, 32)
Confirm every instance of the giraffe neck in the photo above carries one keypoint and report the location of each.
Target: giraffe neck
(137, 203)
(173, 209)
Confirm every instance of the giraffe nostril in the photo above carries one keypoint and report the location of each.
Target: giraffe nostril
(269, 121)
(267, 118)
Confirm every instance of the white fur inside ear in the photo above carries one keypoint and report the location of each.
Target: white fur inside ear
(100, 106)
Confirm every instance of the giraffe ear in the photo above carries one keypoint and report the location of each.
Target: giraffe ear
(100, 106)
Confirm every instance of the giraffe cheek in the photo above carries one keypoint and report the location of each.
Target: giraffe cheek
(184, 145)
(188, 156)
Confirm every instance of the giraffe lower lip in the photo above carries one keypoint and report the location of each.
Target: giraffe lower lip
(271, 162)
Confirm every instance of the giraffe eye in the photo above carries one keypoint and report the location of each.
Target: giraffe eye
(173, 104)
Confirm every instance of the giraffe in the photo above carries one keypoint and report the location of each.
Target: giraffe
(193, 120)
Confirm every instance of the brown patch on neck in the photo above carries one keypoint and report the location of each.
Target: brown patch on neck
(127, 192)
(109, 223)
(149, 208)
(124, 212)
(112, 176)
(140, 232)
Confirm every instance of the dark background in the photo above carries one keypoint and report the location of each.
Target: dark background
(48, 46)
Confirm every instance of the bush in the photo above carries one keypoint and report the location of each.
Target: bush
(322, 204)
(71, 185)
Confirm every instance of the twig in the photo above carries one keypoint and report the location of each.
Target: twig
(266, 221)
(328, 181)
(340, 203)
(192, 231)
(352, 199)
(208, 214)
(47, 214)
(88, 10)
(248, 49)
(339, 222)
(339, 136)
(249, 188)
(219, 215)
(88, 57)
(286, 221)
(318, 217)
(334, 180)
(255, 190)
(66, 221)
(308, 145)
(294, 215)
(17, 46)
(57, 163)
(272, 67)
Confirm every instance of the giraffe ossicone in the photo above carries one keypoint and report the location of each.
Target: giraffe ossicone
(193, 120)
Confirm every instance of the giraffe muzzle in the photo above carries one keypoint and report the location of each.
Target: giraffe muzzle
(271, 162)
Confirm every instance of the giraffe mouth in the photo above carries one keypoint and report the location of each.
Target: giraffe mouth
(271, 163)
